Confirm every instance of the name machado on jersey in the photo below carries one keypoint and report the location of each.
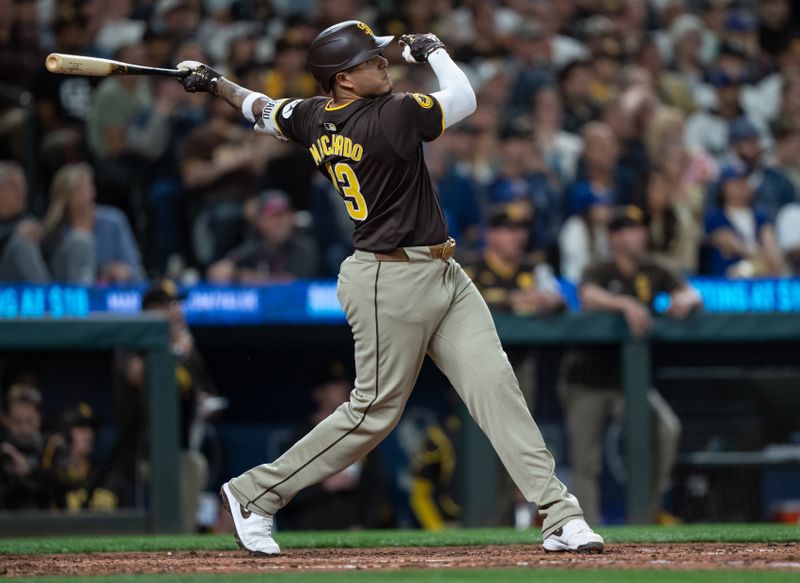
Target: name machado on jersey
(371, 150)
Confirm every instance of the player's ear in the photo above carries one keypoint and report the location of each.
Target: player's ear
(343, 80)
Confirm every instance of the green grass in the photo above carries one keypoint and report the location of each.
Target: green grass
(403, 538)
(452, 576)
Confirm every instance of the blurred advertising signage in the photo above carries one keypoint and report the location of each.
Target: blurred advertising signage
(315, 302)
(293, 303)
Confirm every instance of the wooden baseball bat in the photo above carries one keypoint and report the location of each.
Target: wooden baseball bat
(96, 67)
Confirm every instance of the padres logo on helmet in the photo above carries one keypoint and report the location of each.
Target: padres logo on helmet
(365, 27)
(425, 101)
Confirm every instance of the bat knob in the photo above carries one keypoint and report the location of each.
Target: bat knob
(52, 62)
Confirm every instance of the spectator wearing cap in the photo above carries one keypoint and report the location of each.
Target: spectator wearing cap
(353, 498)
(20, 234)
(21, 484)
(510, 279)
(787, 231)
(627, 283)
(772, 188)
(195, 386)
(88, 242)
(524, 176)
(575, 84)
(741, 31)
(739, 237)
(70, 467)
(708, 128)
(278, 253)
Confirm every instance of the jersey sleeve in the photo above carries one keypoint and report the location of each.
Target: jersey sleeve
(595, 274)
(669, 278)
(410, 118)
(287, 119)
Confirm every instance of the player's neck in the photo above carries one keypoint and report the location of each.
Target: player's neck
(343, 96)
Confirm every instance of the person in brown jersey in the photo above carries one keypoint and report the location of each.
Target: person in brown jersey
(403, 293)
(627, 283)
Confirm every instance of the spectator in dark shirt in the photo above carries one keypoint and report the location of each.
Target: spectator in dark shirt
(575, 82)
(772, 188)
(20, 234)
(69, 464)
(21, 483)
(279, 253)
(220, 167)
(628, 284)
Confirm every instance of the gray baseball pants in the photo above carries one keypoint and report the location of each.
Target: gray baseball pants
(399, 311)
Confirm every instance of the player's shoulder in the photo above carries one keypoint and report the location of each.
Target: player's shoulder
(287, 106)
(658, 266)
(408, 100)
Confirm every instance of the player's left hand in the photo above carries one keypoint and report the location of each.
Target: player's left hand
(201, 78)
(418, 47)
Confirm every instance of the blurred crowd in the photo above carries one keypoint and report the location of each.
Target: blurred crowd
(687, 109)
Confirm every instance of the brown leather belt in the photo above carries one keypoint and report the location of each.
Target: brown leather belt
(443, 251)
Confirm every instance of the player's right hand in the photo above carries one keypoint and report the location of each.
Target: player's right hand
(201, 78)
(418, 47)
(638, 318)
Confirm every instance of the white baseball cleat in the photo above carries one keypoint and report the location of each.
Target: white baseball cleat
(253, 531)
(574, 537)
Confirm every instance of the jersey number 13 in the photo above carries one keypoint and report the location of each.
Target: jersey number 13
(346, 183)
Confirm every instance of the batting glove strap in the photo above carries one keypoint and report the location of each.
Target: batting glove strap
(418, 47)
(201, 78)
(247, 105)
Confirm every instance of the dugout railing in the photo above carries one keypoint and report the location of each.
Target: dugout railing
(636, 372)
(150, 335)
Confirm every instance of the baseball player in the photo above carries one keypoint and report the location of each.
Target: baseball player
(403, 293)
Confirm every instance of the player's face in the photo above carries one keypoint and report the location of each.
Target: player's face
(24, 423)
(370, 78)
(630, 241)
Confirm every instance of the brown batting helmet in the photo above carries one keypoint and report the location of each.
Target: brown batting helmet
(341, 47)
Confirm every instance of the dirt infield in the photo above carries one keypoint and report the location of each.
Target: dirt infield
(769, 556)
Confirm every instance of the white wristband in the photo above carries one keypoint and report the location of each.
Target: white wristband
(247, 106)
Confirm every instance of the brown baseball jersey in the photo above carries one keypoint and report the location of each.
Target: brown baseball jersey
(496, 281)
(371, 150)
(599, 366)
